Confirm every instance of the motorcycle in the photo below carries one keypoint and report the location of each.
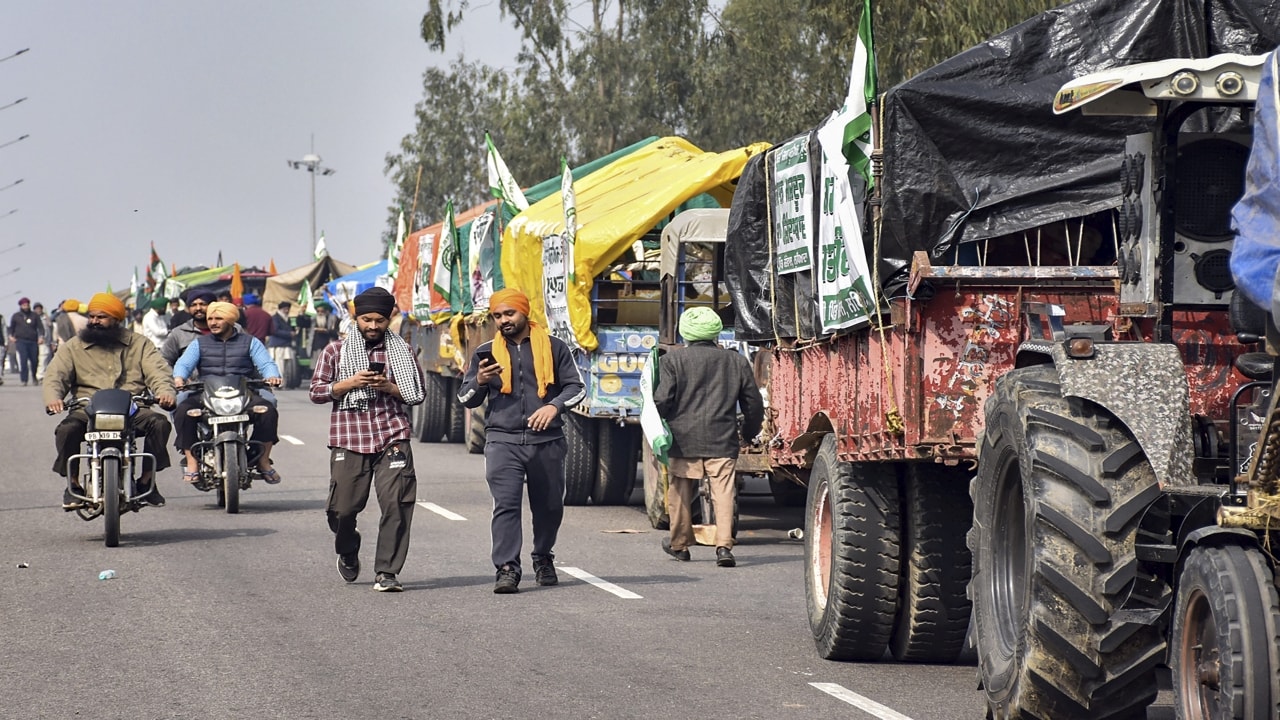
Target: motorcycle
(226, 458)
(109, 464)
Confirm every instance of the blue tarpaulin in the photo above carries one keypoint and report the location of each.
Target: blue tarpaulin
(339, 290)
(1256, 217)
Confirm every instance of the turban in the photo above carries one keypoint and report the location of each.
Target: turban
(251, 299)
(700, 323)
(84, 308)
(24, 301)
(223, 310)
(375, 300)
(109, 304)
(206, 295)
(512, 298)
(70, 305)
(159, 303)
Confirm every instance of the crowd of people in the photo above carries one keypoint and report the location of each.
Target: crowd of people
(370, 378)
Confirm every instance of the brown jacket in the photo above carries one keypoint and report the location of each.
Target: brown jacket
(83, 369)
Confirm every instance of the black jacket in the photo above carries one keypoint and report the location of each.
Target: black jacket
(700, 388)
(508, 415)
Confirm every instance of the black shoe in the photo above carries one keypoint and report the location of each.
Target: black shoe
(71, 502)
(508, 581)
(544, 571)
(349, 567)
(387, 582)
(681, 555)
(151, 498)
(724, 558)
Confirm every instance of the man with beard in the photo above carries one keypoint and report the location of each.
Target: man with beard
(106, 355)
(370, 378)
(523, 369)
(186, 333)
(227, 351)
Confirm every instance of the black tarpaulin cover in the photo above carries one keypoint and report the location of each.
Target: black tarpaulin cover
(972, 149)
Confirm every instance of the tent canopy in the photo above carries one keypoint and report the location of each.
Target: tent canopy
(287, 285)
(616, 206)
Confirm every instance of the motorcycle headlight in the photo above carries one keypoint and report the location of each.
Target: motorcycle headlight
(225, 406)
(108, 422)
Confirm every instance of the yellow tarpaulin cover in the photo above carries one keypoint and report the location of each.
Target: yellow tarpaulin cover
(616, 205)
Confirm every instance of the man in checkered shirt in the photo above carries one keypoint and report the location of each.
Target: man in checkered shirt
(371, 378)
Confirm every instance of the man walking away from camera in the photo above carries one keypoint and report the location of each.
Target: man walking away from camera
(700, 388)
(530, 379)
(370, 378)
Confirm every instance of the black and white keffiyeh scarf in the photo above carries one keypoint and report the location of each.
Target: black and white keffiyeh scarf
(354, 358)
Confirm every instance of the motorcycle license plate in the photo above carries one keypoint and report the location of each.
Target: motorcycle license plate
(102, 435)
(229, 419)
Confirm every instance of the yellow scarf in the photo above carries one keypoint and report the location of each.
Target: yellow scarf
(543, 365)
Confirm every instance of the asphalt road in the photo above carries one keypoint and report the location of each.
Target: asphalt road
(244, 616)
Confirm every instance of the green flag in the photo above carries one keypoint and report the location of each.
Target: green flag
(305, 300)
(442, 278)
(858, 139)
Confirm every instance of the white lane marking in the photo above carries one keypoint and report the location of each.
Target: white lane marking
(447, 514)
(291, 440)
(602, 584)
(867, 705)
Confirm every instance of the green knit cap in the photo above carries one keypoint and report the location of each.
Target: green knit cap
(700, 323)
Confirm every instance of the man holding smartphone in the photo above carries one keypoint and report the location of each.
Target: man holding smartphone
(371, 378)
(530, 379)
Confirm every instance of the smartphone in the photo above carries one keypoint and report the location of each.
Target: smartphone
(484, 356)
(377, 367)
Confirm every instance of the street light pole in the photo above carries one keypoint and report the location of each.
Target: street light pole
(15, 102)
(311, 163)
(18, 139)
(15, 182)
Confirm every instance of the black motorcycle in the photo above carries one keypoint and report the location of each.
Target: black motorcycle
(109, 465)
(226, 458)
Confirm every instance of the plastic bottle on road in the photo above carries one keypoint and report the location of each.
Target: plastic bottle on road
(107, 575)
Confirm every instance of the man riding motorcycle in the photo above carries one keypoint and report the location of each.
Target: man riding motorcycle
(186, 332)
(106, 355)
(227, 351)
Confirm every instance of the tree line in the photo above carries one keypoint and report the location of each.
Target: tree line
(590, 79)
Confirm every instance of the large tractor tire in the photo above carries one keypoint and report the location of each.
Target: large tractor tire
(582, 439)
(933, 601)
(851, 546)
(1226, 645)
(616, 474)
(475, 429)
(1060, 491)
(433, 413)
(655, 488)
(457, 414)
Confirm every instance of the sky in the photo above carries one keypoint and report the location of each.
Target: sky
(172, 122)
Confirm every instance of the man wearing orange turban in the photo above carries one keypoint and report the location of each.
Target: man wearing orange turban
(524, 367)
(106, 355)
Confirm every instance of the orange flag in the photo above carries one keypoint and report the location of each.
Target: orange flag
(237, 285)
(173, 270)
(272, 269)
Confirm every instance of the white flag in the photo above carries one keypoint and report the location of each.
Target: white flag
(321, 250)
(501, 184)
(397, 246)
(570, 203)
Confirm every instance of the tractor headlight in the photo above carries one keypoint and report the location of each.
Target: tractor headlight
(1185, 83)
(1230, 83)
